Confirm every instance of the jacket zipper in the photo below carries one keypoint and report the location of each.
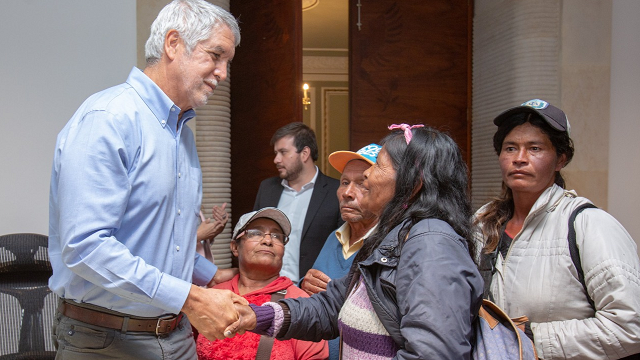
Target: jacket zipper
(567, 193)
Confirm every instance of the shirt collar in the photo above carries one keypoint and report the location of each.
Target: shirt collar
(306, 186)
(344, 234)
(165, 110)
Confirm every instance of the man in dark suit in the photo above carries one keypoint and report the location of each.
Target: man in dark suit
(304, 194)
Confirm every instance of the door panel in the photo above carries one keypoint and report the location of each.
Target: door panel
(266, 78)
(409, 63)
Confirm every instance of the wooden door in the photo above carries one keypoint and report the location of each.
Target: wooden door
(266, 80)
(409, 63)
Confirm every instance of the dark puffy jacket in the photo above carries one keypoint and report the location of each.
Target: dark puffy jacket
(427, 295)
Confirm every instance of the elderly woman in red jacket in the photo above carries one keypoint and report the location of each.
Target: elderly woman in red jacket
(258, 242)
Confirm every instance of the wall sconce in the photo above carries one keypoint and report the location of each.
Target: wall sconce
(306, 101)
(309, 4)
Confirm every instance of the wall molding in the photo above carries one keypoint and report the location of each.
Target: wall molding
(337, 65)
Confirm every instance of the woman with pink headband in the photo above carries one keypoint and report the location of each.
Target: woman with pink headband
(413, 290)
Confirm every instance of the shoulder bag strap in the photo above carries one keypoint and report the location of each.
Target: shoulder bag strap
(573, 248)
(266, 342)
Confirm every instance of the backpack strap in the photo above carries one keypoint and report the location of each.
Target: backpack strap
(266, 342)
(573, 248)
(487, 265)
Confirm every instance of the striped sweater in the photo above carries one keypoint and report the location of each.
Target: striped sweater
(363, 335)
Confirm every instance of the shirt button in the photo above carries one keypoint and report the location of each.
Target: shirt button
(173, 109)
(179, 175)
(384, 259)
(177, 248)
(179, 211)
(163, 122)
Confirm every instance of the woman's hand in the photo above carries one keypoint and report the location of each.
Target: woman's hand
(209, 229)
(246, 321)
(222, 275)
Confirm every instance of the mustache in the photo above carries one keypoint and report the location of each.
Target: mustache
(211, 82)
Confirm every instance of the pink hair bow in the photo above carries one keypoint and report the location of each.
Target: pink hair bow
(407, 130)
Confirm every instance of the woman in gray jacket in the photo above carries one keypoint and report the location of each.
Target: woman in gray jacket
(526, 229)
(413, 290)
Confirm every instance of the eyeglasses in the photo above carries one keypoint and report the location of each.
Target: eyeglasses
(258, 235)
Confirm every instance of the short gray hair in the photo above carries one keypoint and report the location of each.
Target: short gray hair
(193, 19)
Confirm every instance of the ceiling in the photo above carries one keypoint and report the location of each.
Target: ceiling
(325, 26)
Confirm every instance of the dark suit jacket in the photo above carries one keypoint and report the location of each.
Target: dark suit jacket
(323, 214)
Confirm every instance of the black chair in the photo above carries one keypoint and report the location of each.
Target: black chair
(27, 306)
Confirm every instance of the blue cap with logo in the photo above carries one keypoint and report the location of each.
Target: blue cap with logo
(369, 153)
(551, 114)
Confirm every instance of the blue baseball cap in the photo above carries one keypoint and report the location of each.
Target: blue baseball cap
(369, 153)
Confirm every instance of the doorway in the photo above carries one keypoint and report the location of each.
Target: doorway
(325, 69)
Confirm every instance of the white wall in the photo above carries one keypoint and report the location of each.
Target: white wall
(624, 150)
(585, 77)
(54, 55)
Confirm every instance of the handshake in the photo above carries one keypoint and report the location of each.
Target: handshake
(246, 321)
(218, 314)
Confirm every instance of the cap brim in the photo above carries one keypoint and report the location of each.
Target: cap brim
(339, 159)
(500, 119)
(276, 215)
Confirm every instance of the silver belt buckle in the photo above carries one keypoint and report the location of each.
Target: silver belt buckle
(164, 318)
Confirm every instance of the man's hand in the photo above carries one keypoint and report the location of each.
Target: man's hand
(222, 275)
(314, 282)
(211, 311)
(246, 321)
(210, 229)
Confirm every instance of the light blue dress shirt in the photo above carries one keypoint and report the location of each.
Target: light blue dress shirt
(124, 204)
(295, 205)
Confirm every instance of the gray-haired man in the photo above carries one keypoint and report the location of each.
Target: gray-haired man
(125, 198)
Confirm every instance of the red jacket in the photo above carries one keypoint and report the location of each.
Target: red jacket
(245, 346)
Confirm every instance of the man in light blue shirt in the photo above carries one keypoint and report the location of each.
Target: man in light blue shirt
(125, 201)
(303, 193)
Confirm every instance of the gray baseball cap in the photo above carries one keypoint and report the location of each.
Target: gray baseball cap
(268, 213)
